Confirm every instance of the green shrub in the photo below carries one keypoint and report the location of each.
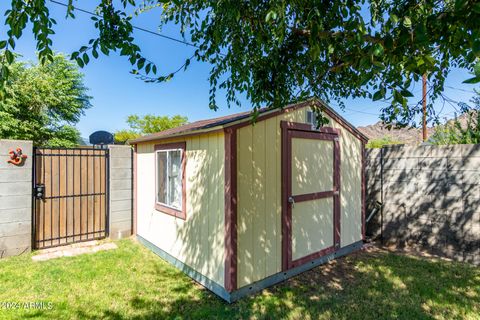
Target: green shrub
(454, 133)
(384, 141)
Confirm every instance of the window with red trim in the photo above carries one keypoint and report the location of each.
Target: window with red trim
(170, 179)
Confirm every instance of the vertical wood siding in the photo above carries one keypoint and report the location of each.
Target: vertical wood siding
(197, 241)
(259, 195)
(351, 187)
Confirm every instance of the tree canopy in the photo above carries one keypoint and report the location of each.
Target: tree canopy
(141, 125)
(276, 52)
(43, 102)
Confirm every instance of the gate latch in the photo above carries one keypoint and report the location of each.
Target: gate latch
(39, 190)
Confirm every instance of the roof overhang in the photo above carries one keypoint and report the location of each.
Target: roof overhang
(246, 119)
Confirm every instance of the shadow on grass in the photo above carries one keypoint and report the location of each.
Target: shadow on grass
(367, 285)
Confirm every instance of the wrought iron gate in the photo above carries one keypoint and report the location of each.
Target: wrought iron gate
(70, 196)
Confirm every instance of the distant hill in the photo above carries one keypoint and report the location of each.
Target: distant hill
(405, 135)
(410, 136)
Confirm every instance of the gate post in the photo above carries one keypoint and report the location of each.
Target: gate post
(120, 182)
(15, 197)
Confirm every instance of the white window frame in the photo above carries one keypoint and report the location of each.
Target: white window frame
(167, 151)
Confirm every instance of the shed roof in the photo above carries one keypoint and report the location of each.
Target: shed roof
(202, 126)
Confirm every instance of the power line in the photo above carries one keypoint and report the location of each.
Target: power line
(349, 109)
(195, 46)
(450, 101)
(464, 90)
(455, 88)
(133, 26)
(364, 112)
(441, 110)
(143, 30)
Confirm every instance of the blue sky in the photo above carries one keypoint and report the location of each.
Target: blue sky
(116, 93)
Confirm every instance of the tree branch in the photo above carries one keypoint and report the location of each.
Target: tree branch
(336, 34)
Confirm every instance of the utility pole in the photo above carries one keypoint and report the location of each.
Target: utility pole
(424, 80)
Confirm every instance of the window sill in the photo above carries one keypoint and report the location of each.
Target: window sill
(170, 211)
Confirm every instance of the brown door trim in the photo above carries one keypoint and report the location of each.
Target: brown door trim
(313, 196)
(134, 192)
(363, 190)
(299, 130)
(230, 274)
(286, 190)
(337, 187)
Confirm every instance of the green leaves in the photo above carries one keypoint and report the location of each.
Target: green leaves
(421, 33)
(378, 50)
(9, 56)
(476, 47)
(380, 94)
(378, 64)
(476, 69)
(271, 15)
(151, 123)
(140, 63)
(270, 52)
(472, 80)
(465, 131)
(122, 136)
(80, 62)
(43, 102)
(388, 42)
(405, 93)
(476, 72)
(394, 18)
(187, 63)
(460, 4)
(86, 59)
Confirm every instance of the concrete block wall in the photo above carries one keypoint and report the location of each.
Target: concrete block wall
(431, 198)
(121, 205)
(373, 181)
(15, 200)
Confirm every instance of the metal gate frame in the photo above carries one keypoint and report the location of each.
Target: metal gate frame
(35, 196)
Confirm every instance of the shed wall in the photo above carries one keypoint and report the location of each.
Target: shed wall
(259, 251)
(351, 186)
(197, 241)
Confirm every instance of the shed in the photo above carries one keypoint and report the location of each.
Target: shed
(239, 207)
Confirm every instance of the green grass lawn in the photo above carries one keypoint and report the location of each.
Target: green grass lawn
(133, 283)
